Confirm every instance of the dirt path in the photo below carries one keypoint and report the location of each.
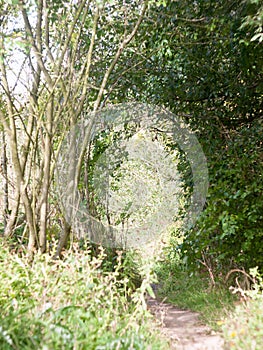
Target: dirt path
(183, 328)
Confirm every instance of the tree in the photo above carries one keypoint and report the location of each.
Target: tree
(203, 66)
(56, 58)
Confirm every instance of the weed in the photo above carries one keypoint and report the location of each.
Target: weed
(71, 304)
(244, 328)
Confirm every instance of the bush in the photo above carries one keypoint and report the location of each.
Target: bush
(230, 231)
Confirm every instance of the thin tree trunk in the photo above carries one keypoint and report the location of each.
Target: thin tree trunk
(12, 218)
(21, 186)
(46, 180)
(69, 197)
(63, 240)
(5, 176)
(6, 193)
(32, 242)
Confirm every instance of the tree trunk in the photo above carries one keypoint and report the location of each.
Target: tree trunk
(46, 180)
(63, 240)
(12, 218)
(5, 176)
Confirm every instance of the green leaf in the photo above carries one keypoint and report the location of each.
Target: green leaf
(150, 291)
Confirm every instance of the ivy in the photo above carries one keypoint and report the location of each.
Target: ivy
(230, 230)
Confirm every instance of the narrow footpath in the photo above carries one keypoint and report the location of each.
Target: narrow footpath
(183, 328)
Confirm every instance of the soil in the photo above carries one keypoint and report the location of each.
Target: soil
(183, 328)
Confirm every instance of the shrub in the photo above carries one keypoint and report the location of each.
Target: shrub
(230, 231)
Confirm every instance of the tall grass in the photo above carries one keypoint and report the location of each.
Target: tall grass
(244, 328)
(71, 304)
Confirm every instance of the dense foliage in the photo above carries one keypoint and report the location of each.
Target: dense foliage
(230, 230)
(206, 68)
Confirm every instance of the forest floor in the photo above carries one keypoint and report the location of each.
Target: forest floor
(182, 328)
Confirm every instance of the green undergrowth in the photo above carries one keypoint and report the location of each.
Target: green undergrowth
(195, 292)
(73, 303)
(244, 328)
(238, 317)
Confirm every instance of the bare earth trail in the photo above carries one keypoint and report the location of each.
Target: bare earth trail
(183, 328)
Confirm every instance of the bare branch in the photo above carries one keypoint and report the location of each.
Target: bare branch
(34, 45)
